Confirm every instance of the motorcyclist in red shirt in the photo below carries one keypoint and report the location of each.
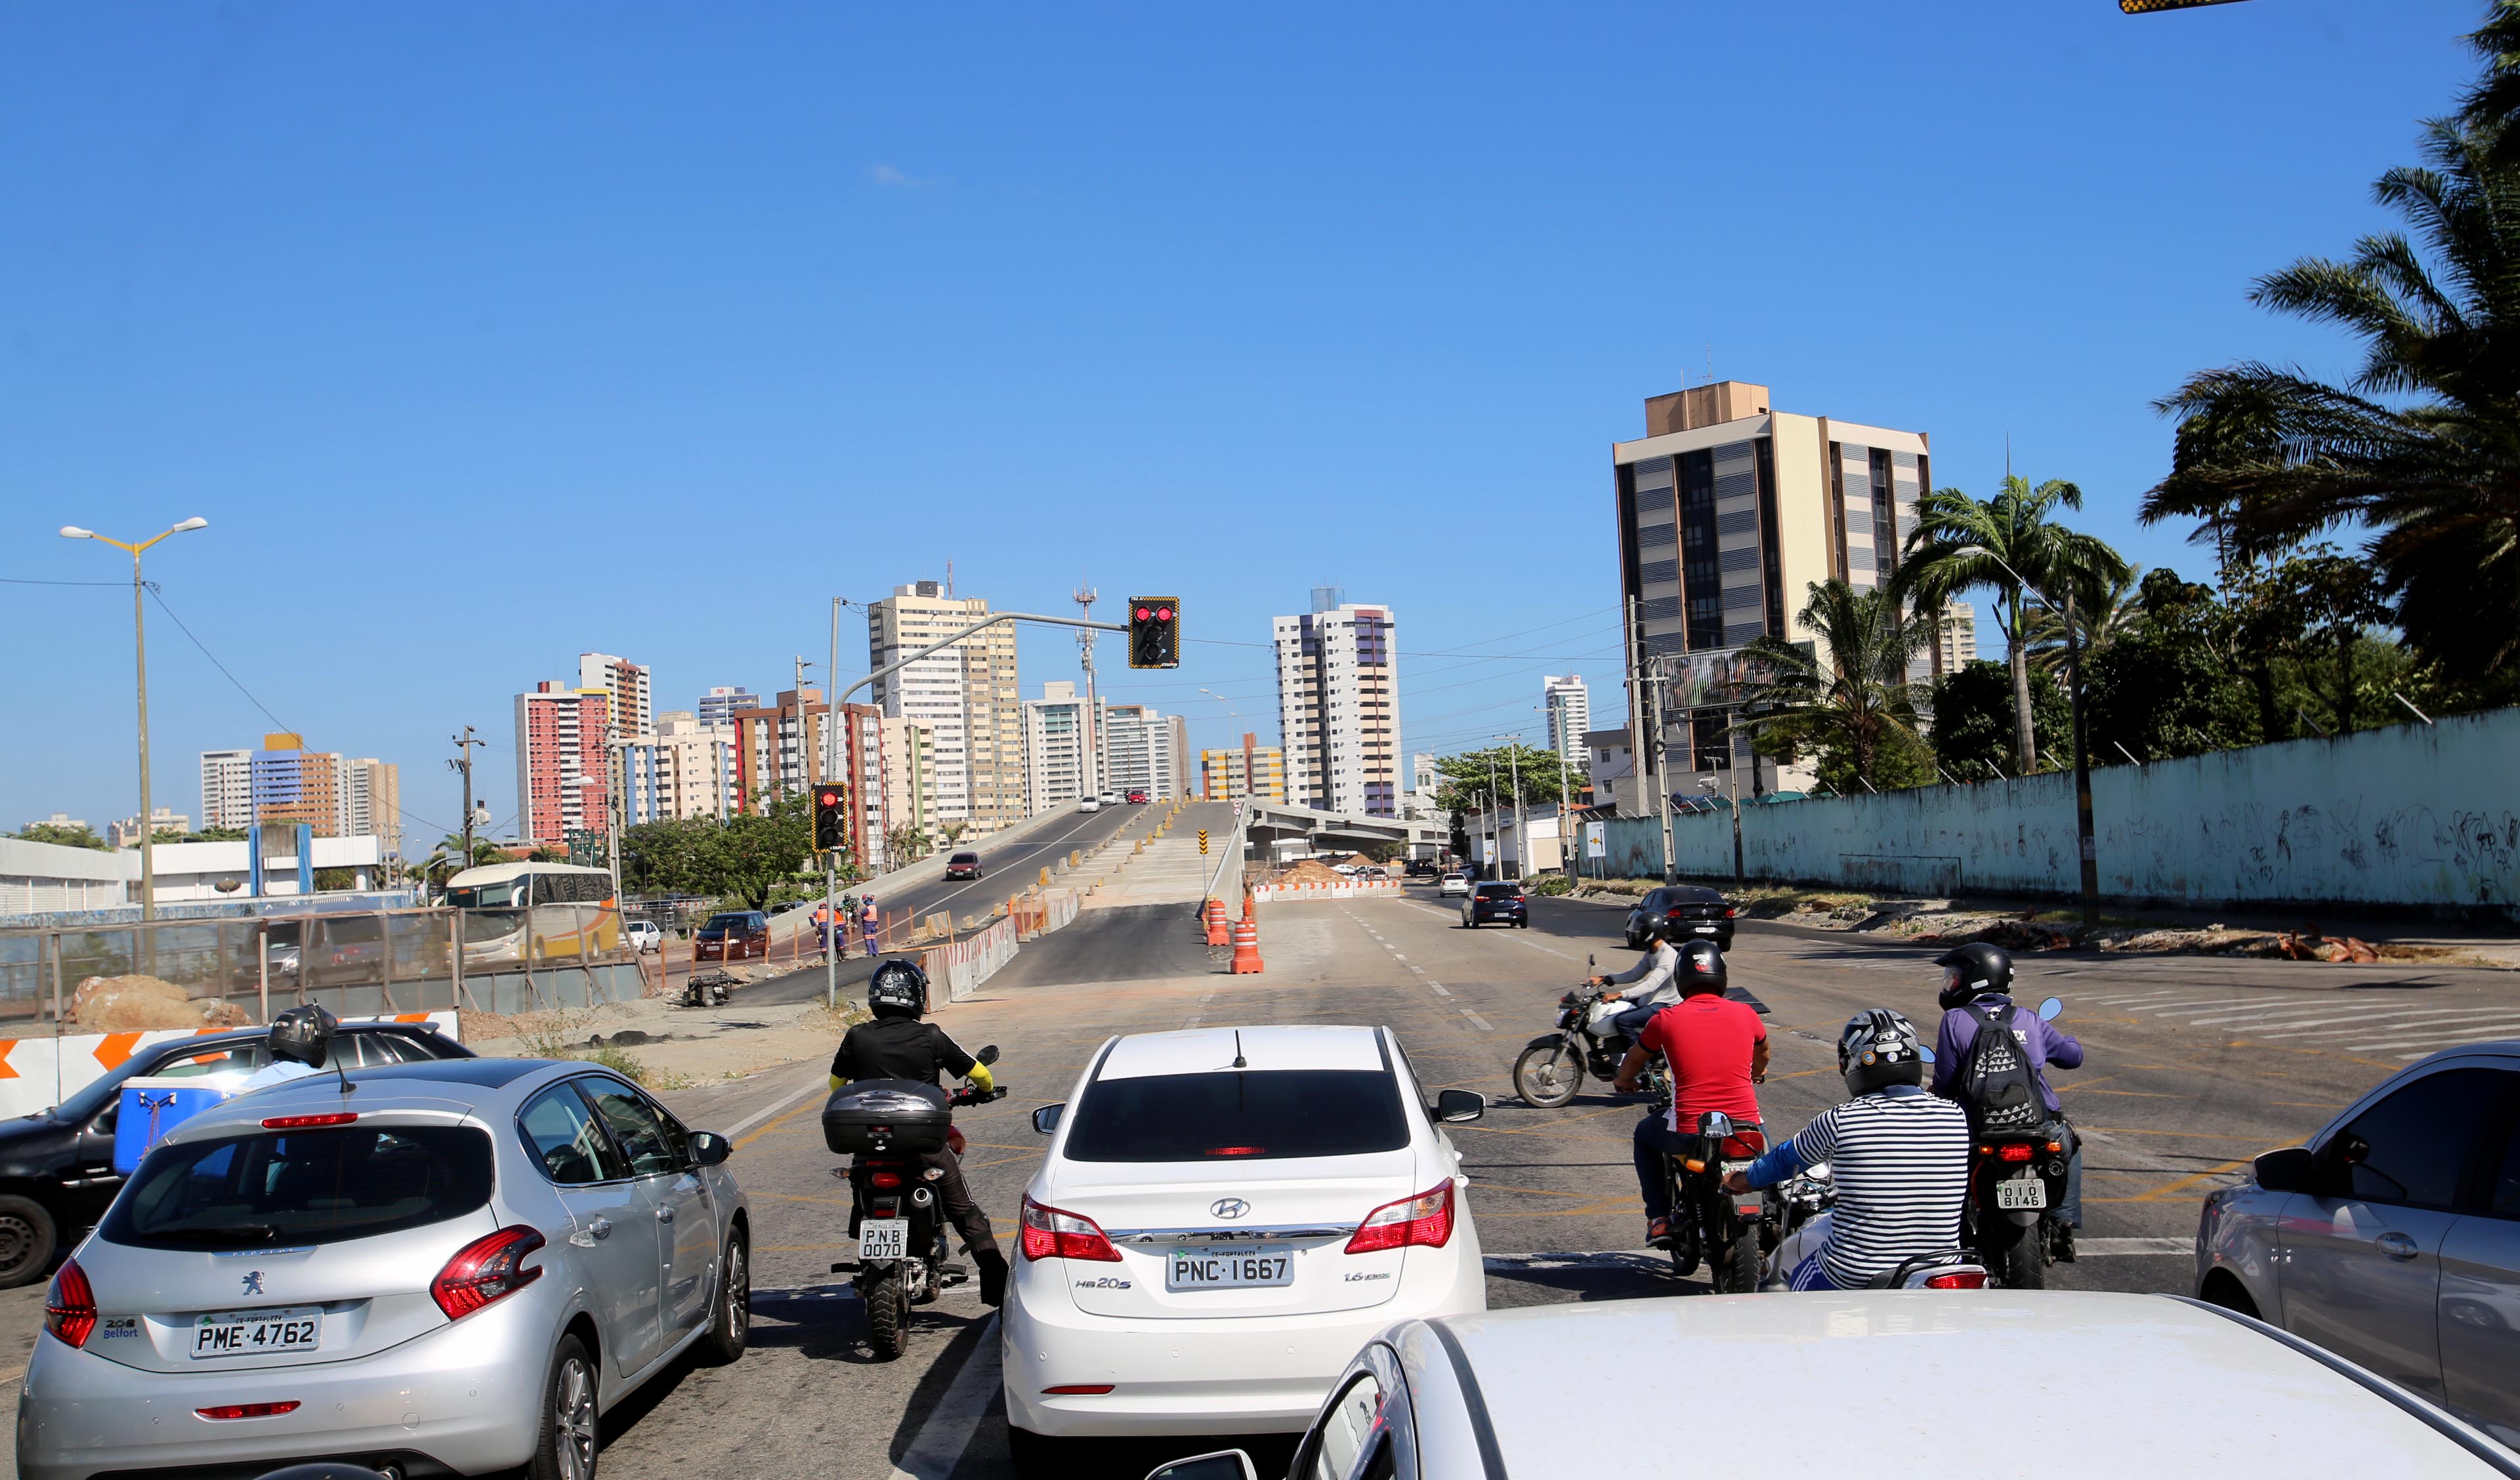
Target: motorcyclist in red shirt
(1718, 1051)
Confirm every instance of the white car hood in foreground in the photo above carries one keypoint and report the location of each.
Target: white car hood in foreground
(1932, 1384)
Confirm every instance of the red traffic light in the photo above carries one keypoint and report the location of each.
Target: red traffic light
(1163, 613)
(1144, 616)
(831, 798)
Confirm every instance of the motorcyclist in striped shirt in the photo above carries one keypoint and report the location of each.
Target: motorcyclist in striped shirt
(1898, 1154)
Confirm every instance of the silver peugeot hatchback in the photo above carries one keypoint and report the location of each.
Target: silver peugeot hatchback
(442, 1266)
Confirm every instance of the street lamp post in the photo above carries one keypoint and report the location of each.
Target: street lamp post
(140, 649)
(2084, 836)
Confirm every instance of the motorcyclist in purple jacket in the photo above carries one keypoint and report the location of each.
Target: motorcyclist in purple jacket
(1981, 975)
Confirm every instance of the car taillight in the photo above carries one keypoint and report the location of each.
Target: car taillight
(70, 1310)
(1426, 1220)
(1732, 912)
(1957, 1280)
(2013, 1151)
(1050, 1233)
(248, 1410)
(1077, 1390)
(485, 1270)
(308, 1122)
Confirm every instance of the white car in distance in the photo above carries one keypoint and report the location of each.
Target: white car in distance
(1226, 1215)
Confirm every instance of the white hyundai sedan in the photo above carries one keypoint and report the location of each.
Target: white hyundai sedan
(1224, 1217)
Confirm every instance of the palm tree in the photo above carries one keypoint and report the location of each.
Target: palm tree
(1961, 543)
(2435, 469)
(1850, 698)
(2105, 607)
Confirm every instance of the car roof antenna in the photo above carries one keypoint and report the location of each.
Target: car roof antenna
(1239, 1062)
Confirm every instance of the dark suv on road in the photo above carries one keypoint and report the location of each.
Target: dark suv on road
(1700, 911)
(57, 1166)
(1496, 900)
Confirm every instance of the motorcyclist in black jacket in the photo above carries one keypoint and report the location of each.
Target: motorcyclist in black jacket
(898, 1045)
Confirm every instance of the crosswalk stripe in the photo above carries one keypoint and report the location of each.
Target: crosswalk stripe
(2382, 1022)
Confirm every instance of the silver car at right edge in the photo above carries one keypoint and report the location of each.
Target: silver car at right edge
(2392, 1238)
(427, 1268)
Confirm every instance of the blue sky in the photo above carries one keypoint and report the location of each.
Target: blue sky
(485, 335)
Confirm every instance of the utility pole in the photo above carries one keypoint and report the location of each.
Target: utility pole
(1088, 762)
(1636, 710)
(2082, 771)
(464, 744)
(1662, 796)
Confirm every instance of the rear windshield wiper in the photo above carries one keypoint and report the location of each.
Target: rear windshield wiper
(225, 1233)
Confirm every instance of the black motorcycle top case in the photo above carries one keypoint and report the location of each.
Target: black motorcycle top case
(901, 1116)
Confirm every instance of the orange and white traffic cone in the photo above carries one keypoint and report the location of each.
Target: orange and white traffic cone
(1218, 933)
(1247, 948)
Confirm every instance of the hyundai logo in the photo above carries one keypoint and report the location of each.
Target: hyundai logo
(1229, 1207)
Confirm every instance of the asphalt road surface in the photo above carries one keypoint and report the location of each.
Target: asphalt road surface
(2195, 1065)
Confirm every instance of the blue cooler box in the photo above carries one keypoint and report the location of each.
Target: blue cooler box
(152, 1108)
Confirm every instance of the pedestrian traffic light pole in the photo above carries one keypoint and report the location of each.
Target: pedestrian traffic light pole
(983, 624)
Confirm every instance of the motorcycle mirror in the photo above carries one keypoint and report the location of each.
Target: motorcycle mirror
(2048, 1010)
(1924, 1052)
(988, 1054)
(1715, 1125)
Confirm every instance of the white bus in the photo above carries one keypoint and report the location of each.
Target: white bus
(565, 911)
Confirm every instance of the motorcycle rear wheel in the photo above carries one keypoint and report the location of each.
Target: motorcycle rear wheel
(887, 1308)
(1737, 1268)
(2017, 1257)
(1547, 1075)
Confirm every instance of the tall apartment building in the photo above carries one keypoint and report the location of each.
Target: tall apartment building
(1054, 741)
(1569, 705)
(685, 770)
(1137, 744)
(625, 683)
(966, 695)
(1728, 512)
(283, 782)
(564, 778)
(909, 783)
(1338, 706)
(227, 788)
(862, 767)
(717, 707)
(1956, 645)
(778, 746)
(125, 834)
(1253, 770)
(1176, 733)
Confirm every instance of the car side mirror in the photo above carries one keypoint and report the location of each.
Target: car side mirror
(1454, 1106)
(2290, 1170)
(988, 1054)
(1223, 1464)
(1045, 1121)
(710, 1149)
(2048, 1010)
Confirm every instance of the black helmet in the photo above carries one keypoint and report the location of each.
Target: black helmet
(304, 1034)
(1702, 968)
(1972, 971)
(898, 989)
(1877, 1049)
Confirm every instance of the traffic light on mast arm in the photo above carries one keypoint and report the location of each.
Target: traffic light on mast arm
(830, 817)
(1154, 632)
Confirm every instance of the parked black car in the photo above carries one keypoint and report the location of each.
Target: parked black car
(1496, 900)
(57, 1166)
(1704, 910)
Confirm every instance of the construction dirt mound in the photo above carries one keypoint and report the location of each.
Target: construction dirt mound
(137, 1004)
(1309, 872)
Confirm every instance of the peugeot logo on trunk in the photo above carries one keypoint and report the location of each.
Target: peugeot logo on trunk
(1229, 1207)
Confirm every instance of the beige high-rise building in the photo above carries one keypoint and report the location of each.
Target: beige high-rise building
(687, 770)
(283, 782)
(1054, 747)
(1338, 706)
(1252, 771)
(372, 801)
(625, 683)
(1728, 511)
(1956, 644)
(966, 695)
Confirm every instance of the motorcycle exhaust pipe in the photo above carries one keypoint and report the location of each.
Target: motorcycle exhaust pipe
(921, 1198)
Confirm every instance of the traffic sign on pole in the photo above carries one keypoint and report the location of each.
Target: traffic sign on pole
(1202, 842)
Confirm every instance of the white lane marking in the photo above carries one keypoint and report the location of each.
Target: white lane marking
(2483, 1032)
(1396, 956)
(941, 1440)
(2135, 1246)
(1485, 1026)
(1420, 971)
(2234, 1011)
(2139, 997)
(1438, 988)
(2381, 1022)
(773, 1108)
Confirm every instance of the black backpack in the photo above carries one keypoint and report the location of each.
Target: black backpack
(1997, 1085)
